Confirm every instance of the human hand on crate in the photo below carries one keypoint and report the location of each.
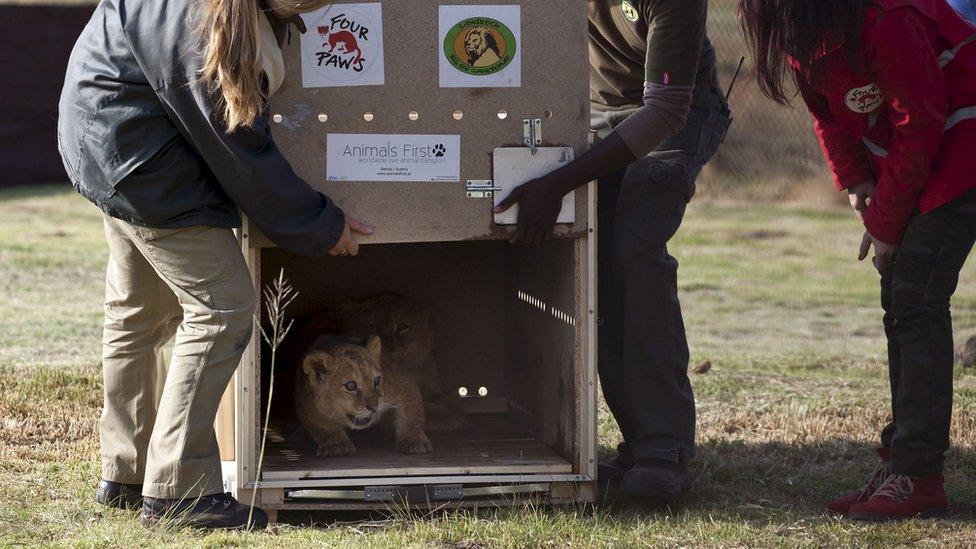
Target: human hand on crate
(541, 199)
(348, 244)
(539, 203)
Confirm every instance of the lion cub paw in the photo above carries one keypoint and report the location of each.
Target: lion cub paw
(419, 445)
(336, 448)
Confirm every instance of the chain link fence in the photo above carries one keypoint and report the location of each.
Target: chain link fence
(768, 144)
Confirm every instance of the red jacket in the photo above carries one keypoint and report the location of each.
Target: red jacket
(906, 118)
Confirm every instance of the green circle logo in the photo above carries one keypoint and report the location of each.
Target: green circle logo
(630, 12)
(480, 46)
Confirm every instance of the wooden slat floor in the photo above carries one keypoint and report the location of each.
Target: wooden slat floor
(494, 444)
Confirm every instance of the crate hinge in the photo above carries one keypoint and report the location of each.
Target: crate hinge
(532, 133)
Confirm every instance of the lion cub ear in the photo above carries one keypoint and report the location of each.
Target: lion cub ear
(373, 347)
(317, 364)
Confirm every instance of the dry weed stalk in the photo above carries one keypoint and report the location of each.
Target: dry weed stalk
(277, 297)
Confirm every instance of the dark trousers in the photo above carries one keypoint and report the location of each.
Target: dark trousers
(915, 296)
(643, 353)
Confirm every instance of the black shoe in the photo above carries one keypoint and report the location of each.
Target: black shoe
(611, 472)
(118, 495)
(215, 511)
(655, 479)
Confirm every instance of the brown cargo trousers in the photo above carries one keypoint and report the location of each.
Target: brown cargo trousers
(157, 426)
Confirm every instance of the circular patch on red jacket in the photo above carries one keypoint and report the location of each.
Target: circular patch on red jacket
(865, 99)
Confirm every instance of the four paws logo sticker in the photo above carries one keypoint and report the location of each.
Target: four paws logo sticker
(480, 46)
(440, 150)
(865, 99)
(347, 43)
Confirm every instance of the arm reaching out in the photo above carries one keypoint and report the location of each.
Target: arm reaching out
(674, 46)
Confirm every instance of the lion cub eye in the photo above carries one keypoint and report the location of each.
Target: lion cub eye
(351, 386)
(376, 382)
(402, 328)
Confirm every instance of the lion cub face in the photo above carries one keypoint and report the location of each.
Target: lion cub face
(346, 381)
(402, 324)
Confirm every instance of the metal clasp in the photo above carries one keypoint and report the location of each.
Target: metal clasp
(482, 188)
(532, 133)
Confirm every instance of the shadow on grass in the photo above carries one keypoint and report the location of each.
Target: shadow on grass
(776, 482)
(747, 484)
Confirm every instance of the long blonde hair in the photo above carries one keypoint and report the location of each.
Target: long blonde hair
(232, 58)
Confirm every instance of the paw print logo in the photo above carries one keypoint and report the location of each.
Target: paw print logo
(439, 150)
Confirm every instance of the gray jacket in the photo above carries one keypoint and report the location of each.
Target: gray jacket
(139, 136)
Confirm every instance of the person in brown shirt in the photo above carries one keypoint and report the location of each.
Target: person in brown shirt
(657, 107)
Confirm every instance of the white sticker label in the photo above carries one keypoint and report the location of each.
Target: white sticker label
(343, 46)
(396, 157)
(480, 46)
(864, 100)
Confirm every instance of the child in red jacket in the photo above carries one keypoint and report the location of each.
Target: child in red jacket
(891, 85)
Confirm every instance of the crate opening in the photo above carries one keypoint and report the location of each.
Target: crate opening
(506, 340)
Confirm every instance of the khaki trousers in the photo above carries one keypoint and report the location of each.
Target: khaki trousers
(157, 426)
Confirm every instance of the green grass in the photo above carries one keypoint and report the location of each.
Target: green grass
(788, 414)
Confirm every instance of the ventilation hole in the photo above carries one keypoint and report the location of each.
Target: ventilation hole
(483, 391)
(413, 115)
(458, 115)
(277, 118)
(502, 114)
(323, 117)
(368, 116)
(462, 392)
(547, 114)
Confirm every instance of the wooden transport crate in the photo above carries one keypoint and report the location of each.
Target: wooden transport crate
(517, 322)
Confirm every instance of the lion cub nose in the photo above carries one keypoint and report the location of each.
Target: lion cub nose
(371, 407)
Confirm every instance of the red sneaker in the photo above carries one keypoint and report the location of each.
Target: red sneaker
(842, 506)
(903, 497)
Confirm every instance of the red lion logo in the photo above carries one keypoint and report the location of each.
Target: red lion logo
(346, 38)
(868, 99)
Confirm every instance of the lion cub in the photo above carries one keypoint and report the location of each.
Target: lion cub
(341, 386)
(404, 327)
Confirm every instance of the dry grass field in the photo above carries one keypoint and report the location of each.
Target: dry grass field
(788, 413)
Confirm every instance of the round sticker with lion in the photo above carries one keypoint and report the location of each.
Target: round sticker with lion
(480, 46)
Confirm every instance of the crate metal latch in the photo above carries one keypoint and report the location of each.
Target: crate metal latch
(532, 133)
(482, 188)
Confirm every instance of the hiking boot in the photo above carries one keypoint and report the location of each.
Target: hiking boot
(119, 495)
(842, 506)
(610, 472)
(216, 511)
(902, 497)
(656, 479)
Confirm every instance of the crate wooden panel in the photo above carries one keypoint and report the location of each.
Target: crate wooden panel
(449, 458)
(492, 444)
(517, 321)
(554, 81)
